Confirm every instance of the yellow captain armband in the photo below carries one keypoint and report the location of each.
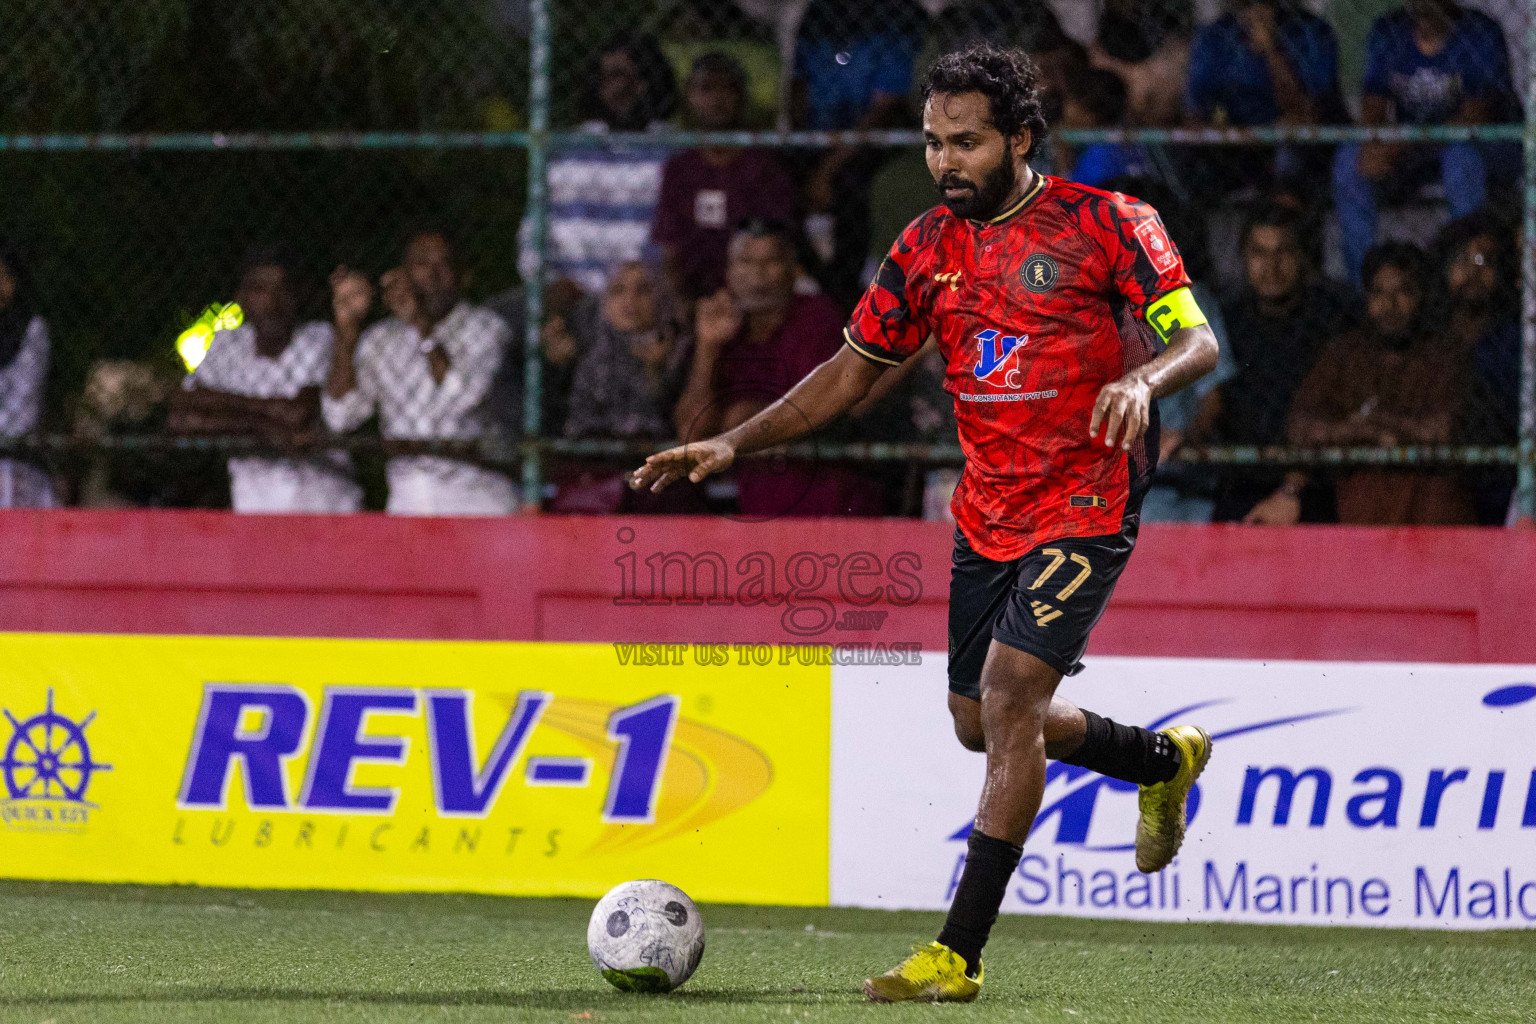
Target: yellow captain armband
(1174, 311)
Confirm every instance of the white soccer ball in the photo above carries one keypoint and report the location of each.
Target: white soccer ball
(646, 936)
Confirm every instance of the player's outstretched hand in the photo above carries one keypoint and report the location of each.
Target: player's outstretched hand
(695, 460)
(1125, 403)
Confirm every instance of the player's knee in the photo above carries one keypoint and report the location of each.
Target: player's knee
(1013, 713)
(966, 711)
(970, 734)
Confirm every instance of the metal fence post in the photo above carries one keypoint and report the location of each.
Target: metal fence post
(1526, 473)
(538, 158)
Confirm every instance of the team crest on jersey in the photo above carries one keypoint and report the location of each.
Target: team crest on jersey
(997, 360)
(1039, 273)
(1156, 244)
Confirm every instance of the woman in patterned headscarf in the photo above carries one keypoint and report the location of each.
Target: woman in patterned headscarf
(23, 367)
(632, 363)
(628, 377)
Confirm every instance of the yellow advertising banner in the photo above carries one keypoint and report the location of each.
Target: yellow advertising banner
(530, 769)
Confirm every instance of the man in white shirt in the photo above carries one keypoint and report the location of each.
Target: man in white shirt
(264, 378)
(427, 370)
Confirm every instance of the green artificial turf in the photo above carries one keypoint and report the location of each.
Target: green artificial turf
(129, 953)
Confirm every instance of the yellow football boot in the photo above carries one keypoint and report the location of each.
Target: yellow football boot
(1160, 831)
(932, 974)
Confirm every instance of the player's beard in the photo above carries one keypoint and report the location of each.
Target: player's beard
(986, 201)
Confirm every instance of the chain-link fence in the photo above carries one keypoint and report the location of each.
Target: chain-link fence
(606, 152)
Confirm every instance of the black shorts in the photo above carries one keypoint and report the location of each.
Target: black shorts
(1044, 603)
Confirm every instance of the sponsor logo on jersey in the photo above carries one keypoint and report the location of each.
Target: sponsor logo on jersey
(1155, 243)
(1039, 273)
(997, 360)
(1007, 396)
(953, 280)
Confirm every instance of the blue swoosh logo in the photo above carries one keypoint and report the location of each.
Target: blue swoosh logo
(1092, 780)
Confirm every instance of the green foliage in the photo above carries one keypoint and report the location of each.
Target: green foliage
(125, 249)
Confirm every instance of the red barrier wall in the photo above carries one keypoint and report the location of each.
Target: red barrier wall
(1316, 593)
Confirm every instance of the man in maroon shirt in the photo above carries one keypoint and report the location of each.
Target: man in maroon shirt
(754, 340)
(1061, 310)
(706, 193)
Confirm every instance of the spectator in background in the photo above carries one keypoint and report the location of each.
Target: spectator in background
(630, 374)
(558, 351)
(854, 63)
(1146, 43)
(705, 192)
(900, 193)
(23, 369)
(123, 396)
(754, 340)
(1277, 325)
(1478, 274)
(688, 29)
(426, 370)
(264, 378)
(626, 384)
(853, 70)
(1264, 62)
(602, 198)
(1388, 383)
(1430, 62)
(1033, 28)
(1096, 99)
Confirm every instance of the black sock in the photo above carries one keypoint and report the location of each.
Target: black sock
(1125, 752)
(988, 865)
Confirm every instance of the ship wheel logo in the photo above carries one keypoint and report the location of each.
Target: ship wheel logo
(48, 758)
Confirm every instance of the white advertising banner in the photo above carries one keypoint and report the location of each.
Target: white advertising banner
(1398, 795)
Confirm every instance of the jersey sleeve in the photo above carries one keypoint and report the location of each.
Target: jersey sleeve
(1144, 264)
(887, 326)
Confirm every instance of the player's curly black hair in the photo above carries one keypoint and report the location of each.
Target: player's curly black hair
(1007, 78)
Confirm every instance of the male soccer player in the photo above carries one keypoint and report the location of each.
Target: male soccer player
(1063, 311)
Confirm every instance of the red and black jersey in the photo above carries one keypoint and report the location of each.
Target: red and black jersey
(1035, 311)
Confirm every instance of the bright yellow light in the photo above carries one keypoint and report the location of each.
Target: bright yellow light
(192, 344)
(228, 318)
